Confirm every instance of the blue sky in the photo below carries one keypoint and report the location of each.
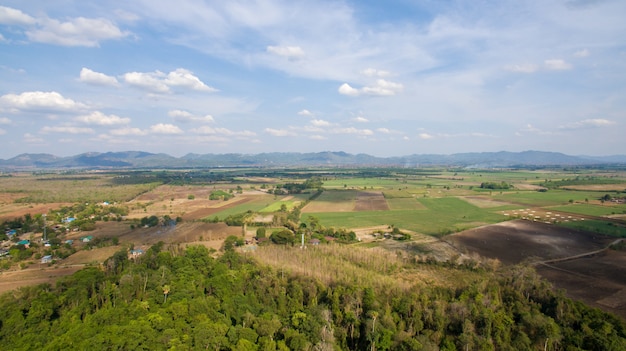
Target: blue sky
(386, 78)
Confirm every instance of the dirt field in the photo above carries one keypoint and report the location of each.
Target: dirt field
(518, 241)
(16, 210)
(370, 201)
(32, 276)
(483, 202)
(598, 280)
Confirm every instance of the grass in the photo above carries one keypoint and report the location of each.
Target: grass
(591, 210)
(548, 198)
(68, 188)
(601, 227)
(439, 216)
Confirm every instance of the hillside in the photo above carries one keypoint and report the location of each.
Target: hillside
(138, 159)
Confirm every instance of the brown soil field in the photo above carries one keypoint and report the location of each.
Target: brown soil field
(207, 211)
(370, 201)
(15, 210)
(599, 279)
(483, 202)
(11, 280)
(518, 241)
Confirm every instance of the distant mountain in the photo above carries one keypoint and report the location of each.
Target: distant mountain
(140, 159)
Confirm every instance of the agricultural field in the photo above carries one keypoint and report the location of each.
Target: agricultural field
(446, 214)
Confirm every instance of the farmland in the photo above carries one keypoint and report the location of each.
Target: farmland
(452, 207)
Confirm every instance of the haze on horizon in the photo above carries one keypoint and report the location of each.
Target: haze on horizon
(383, 78)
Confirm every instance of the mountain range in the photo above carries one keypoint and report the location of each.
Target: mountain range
(139, 159)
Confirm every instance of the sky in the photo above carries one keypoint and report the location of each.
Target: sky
(385, 78)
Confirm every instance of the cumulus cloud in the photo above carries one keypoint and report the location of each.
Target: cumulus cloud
(522, 68)
(185, 78)
(39, 100)
(185, 116)
(352, 130)
(290, 52)
(320, 123)
(360, 119)
(96, 78)
(164, 128)
(101, 119)
(2, 131)
(11, 16)
(557, 65)
(206, 130)
(305, 113)
(66, 130)
(588, 123)
(75, 32)
(151, 81)
(380, 88)
(159, 82)
(425, 136)
(280, 132)
(4, 120)
(128, 131)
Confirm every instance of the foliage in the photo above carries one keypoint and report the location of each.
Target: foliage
(495, 185)
(220, 195)
(191, 301)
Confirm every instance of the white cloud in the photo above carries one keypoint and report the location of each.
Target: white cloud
(78, 31)
(290, 52)
(2, 131)
(588, 123)
(279, 132)
(163, 128)
(352, 130)
(91, 77)
(127, 132)
(425, 136)
(32, 139)
(360, 119)
(557, 65)
(101, 119)
(66, 130)
(305, 113)
(151, 81)
(372, 72)
(522, 68)
(320, 123)
(206, 130)
(11, 16)
(380, 88)
(317, 137)
(582, 53)
(4, 120)
(39, 100)
(185, 78)
(159, 82)
(185, 116)
(388, 131)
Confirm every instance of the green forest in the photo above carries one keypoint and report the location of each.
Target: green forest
(191, 299)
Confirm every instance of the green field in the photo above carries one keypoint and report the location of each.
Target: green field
(601, 227)
(548, 198)
(591, 210)
(438, 216)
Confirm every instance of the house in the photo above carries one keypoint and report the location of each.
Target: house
(69, 220)
(69, 241)
(46, 259)
(86, 239)
(26, 243)
(11, 232)
(136, 252)
(314, 241)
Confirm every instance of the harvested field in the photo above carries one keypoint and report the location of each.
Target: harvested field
(484, 202)
(16, 210)
(370, 201)
(597, 187)
(517, 241)
(33, 276)
(599, 280)
(207, 211)
(332, 201)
